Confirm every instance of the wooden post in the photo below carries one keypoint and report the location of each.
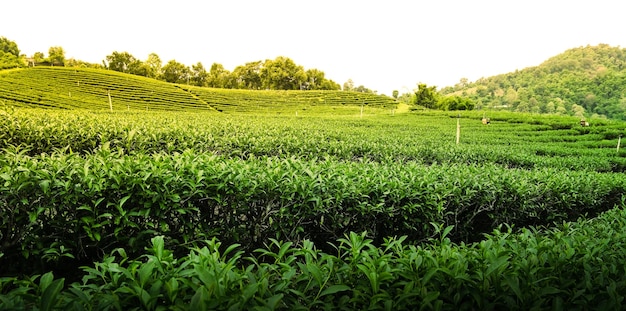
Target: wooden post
(110, 101)
(619, 140)
(361, 110)
(458, 129)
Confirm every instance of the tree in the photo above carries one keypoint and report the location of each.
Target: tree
(330, 85)
(348, 85)
(219, 77)
(8, 46)
(9, 54)
(426, 96)
(199, 75)
(176, 72)
(314, 79)
(248, 76)
(395, 94)
(454, 102)
(282, 73)
(153, 65)
(39, 57)
(550, 107)
(125, 62)
(578, 111)
(56, 55)
(511, 98)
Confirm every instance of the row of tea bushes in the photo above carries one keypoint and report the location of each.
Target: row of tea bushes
(382, 139)
(576, 266)
(78, 207)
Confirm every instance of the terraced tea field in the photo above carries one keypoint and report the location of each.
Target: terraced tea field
(228, 199)
(72, 88)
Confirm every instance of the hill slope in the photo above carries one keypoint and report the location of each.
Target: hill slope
(78, 88)
(583, 81)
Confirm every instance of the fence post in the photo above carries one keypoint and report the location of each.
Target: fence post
(458, 129)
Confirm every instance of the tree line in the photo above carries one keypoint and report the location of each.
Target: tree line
(281, 73)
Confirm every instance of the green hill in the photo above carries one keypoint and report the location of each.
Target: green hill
(583, 81)
(79, 88)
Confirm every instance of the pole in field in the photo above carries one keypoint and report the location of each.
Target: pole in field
(458, 129)
(110, 101)
(619, 140)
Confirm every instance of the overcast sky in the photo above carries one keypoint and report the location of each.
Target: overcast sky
(383, 45)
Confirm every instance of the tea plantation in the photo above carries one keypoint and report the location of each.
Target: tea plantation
(187, 198)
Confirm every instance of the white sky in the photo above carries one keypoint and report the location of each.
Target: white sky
(383, 45)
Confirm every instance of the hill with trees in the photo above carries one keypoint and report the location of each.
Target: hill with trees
(586, 81)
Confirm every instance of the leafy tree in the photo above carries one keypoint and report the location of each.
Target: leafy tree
(330, 85)
(39, 57)
(153, 65)
(125, 62)
(176, 72)
(9, 54)
(426, 96)
(348, 85)
(314, 79)
(454, 102)
(8, 46)
(248, 76)
(578, 110)
(219, 77)
(8, 60)
(199, 75)
(282, 73)
(395, 94)
(56, 55)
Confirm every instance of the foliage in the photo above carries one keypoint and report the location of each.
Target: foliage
(9, 54)
(453, 102)
(8, 46)
(583, 81)
(574, 266)
(56, 56)
(426, 96)
(126, 63)
(282, 74)
(85, 183)
(175, 72)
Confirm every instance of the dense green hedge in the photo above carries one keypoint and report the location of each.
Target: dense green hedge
(73, 206)
(577, 266)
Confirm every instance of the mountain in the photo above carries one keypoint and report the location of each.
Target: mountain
(585, 81)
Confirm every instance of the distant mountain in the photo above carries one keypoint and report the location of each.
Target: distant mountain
(584, 81)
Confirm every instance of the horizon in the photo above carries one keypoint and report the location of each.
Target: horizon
(386, 47)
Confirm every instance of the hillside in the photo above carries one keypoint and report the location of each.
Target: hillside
(584, 81)
(79, 88)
